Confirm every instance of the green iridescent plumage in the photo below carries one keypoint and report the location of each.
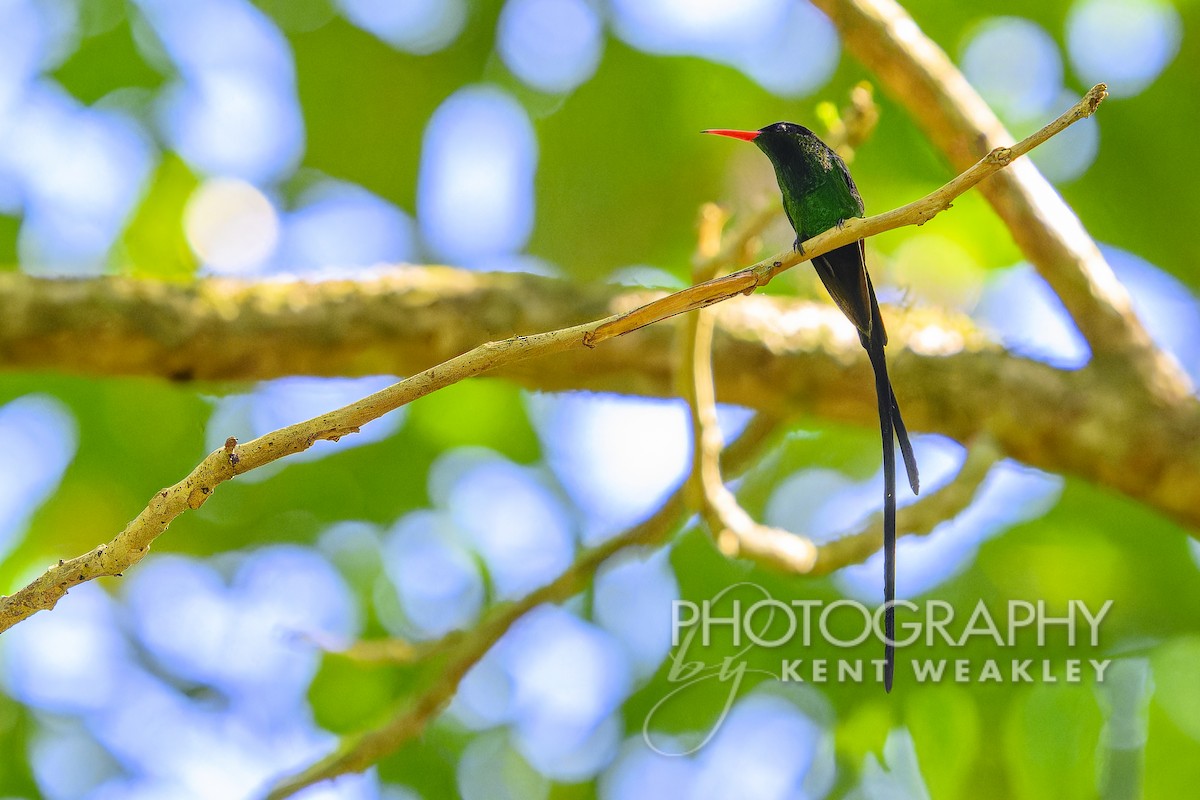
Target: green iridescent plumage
(818, 194)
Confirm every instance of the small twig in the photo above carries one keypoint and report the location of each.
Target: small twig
(768, 546)
(736, 532)
(728, 522)
(132, 544)
(359, 751)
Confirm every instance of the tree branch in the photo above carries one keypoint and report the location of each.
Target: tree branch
(918, 519)
(467, 648)
(131, 544)
(794, 553)
(918, 212)
(771, 547)
(919, 75)
(735, 531)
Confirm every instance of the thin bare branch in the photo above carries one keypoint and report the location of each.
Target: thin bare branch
(735, 531)
(131, 545)
(771, 547)
(468, 647)
(776, 549)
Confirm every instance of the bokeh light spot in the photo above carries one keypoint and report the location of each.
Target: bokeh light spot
(231, 226)
(638, 773)
(795, 57)
(617, 457)
(475, 189)
(338, 227)
(632, 601)
(199, 114)
(243, 637)
(67, 761)
(491, 769)
(205, 35)
(552, 45)
(1124, 43)
(680, 26)
(789, 48)
(283, 594)
(1030, 319)
(434, 575)
(23, 47)
(235, 77)
(70, 661)
(417, 26)
(43, 432)
(568, 677)
(78, 172)
(1015, 65)
(520, 528)
(182, 616)
(763, 750)
(1166, 306)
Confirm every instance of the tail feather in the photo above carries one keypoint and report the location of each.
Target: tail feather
(844, 273)
(886, 403)
(906, 451)
(876, 333)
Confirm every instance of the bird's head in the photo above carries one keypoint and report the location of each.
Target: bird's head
(782, 141)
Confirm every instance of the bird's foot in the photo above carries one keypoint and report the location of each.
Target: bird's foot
(798, 246)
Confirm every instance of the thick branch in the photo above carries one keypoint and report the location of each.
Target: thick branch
(131, 545)
(182, 326)
(786, 357)
(918, 73)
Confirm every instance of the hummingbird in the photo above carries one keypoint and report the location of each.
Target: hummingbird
(819, 194)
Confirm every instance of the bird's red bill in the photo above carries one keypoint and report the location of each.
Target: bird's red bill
(748, 136)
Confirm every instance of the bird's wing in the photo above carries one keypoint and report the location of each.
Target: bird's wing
(845, 171)
(844, 273)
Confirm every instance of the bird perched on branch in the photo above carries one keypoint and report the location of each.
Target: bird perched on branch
(819, 194)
